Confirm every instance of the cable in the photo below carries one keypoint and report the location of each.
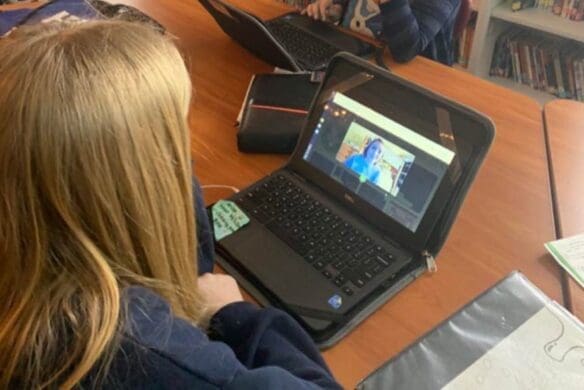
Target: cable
(232, 188)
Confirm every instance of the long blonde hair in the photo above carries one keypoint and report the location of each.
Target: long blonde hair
(95, 193)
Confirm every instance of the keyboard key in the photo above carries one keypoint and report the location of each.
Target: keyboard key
(358, 282)
(348, 291)
(339, 265)
(327, 259)
(339, 280)
(318, 251)
(327, 274)
(259, 215)
(319, 264)
(386, 256)
(382, 261)
(333, 248)
(316, 236)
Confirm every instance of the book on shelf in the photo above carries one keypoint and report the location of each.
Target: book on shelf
(517, 5)
(567, 9)
(541, 62)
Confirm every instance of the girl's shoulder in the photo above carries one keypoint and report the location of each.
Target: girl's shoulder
(158, 348)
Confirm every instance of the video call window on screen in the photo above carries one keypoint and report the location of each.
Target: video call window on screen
(383, 162)
(374, 159)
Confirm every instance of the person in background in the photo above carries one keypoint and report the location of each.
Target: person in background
(409, 27)
(98, 243)
(365, 164)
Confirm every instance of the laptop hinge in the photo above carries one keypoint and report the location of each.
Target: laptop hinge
(296, 175)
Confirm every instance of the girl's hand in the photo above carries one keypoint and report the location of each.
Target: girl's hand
(323, 10)
(217, 291)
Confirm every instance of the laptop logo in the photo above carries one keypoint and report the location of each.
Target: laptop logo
(349, 198)
(335, 301)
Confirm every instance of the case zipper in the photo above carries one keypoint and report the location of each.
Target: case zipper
(430, 261)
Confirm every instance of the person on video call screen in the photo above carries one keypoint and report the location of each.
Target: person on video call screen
(365, 164)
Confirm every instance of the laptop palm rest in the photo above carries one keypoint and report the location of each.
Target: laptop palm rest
(283, 272)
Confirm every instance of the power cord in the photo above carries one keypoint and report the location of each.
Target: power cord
(232, 188)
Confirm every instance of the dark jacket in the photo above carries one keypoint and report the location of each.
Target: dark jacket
(249, 348)
(409, 28)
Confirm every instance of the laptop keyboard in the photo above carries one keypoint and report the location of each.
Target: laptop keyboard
(305, 47)
(334, 247)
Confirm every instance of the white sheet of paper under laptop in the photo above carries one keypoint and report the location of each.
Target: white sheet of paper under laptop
(569, 253)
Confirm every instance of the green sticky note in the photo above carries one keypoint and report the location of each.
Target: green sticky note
(227, 219)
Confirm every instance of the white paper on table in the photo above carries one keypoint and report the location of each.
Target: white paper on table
(569, 253)
(240, 113)
(545, 352)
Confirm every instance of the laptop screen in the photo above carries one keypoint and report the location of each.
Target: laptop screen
(383, 162)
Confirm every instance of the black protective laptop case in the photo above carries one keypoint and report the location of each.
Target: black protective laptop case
(275, 276)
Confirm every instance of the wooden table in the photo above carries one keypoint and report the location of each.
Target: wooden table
(31, 4)
(564, 123)
(502, 225)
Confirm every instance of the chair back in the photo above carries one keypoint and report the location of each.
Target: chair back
(462, 18)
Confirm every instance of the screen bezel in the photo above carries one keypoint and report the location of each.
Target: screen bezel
(393, 230)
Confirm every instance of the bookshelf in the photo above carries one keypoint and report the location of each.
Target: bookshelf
(494, 17)
(541, 20)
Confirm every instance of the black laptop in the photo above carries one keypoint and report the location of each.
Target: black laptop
(291, 41)
(365, 202)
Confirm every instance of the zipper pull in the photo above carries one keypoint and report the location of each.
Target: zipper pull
(430, 262)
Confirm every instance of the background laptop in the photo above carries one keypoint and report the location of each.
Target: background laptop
(292, 41)
(328, 241)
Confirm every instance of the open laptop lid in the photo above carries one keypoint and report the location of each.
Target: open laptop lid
(401, 156)
(251, 33)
